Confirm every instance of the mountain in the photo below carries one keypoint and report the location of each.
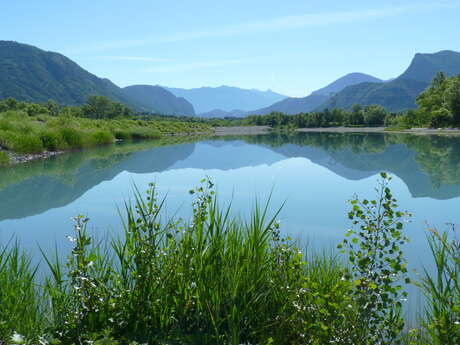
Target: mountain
(396, 95)
(343, 82)
(226, 98)
(222, 113)
(293, 105)
(424, 66)
(30, 74)
(159, 100)
(400, 93)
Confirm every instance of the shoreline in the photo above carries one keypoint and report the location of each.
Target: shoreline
(242, 130)
(414, 131)
(256, 130)
(16, 158)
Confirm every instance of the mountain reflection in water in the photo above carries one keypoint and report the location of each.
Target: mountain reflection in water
(428, 165)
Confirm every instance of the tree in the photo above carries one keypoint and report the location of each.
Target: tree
(97, 107)
(53, 107)
(452, 99)
(356, 116)
(100, 107)
(374, 115)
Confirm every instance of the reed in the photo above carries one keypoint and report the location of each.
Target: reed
(442, 289)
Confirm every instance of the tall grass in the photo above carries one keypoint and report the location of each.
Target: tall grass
(20, 301)
(216, 279)
(442, 315)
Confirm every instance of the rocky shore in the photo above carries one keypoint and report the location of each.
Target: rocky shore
(17, 158)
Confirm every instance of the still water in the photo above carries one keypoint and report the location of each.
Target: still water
(315, 174)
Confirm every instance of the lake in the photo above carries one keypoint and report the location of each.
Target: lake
(315, 174)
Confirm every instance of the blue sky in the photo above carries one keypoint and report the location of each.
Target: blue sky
(292, 47)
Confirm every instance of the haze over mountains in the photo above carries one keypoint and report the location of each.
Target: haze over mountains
(30, 74)
(226, 98)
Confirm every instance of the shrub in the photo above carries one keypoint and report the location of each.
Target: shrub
(377, 266)
(122, 134)
(4, 158)
(101, 137)
(72, 137)
(27, 143)
(52, 140)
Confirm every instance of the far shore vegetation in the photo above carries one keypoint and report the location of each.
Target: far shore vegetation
(223, 279)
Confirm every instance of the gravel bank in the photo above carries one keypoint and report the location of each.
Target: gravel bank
(241, 130)
(17, 158)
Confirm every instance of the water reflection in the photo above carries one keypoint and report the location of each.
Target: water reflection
(428, 165)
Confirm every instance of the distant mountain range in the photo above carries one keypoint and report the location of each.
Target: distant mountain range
(226, 98)
(222, 113)
(295, 105)
(31, 74)
(400, 93)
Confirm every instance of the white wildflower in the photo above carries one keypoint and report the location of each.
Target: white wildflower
(16, 338)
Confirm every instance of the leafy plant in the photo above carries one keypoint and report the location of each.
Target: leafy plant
(377, 266)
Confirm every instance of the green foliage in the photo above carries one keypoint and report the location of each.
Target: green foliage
(100, 107)
(4, 158)
(373, 115)
(377, 266)
(440, 102)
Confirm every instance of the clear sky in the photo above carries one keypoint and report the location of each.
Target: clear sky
(292, 47)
